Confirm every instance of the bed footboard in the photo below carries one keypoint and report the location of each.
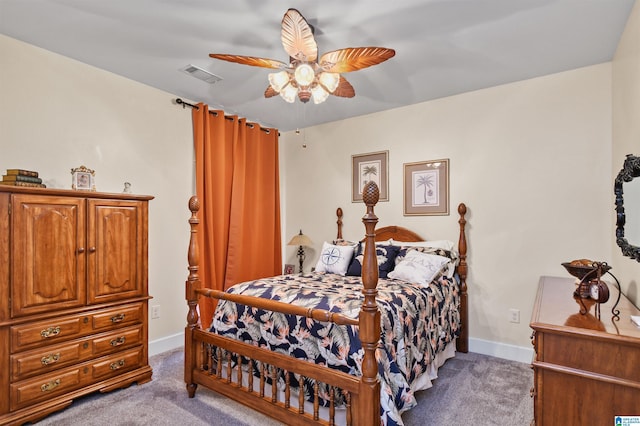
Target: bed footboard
(226, 365)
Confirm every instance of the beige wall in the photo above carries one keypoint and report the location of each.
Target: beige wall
(626, 135)
(530, 159)
(56, 114)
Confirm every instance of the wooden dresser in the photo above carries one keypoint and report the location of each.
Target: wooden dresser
(73, 297)
(586, 371)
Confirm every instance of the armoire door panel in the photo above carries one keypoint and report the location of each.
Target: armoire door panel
(48, 259)
(115, 243)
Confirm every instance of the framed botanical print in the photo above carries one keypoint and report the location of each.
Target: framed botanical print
(370, 167)
(83, 179)
(426, 188)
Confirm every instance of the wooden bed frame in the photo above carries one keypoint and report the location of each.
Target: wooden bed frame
(215, 371)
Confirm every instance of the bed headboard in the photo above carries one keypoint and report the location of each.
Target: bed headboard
(397, 233)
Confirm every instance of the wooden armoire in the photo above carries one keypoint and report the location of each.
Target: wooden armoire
(73, 297)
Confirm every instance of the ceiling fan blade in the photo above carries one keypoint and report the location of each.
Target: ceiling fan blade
(354, 58)
(297, 37)
(270, 92)
(250, 60)
(344, 89)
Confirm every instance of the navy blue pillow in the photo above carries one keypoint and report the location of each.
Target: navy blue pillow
(386, 260)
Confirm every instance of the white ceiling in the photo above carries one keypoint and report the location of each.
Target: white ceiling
(443, 47)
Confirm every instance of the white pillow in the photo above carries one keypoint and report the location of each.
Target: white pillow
(420, 268)
(334, 259)
(441, 244)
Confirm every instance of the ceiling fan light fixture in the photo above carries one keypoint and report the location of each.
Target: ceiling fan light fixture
(304, 74)
(319, 94)
(329, 81)
(279, 80)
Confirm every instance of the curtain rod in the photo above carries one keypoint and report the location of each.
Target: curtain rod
(187, 104)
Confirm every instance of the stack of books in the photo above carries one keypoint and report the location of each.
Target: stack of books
(20, 177)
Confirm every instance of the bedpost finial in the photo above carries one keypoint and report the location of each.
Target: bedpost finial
(370, 193)
(194, 204)
(462, 209)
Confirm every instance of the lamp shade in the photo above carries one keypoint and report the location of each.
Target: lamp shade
(319, 94)
(329, 80)
(278, 80)
(300, 240)
(289, 93)
(304, 74)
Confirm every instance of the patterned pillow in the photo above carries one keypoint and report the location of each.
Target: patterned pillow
(334, 259)
(450, 254)
(420, 268)
(386, 255)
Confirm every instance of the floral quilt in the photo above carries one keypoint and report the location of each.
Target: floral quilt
(417, 322)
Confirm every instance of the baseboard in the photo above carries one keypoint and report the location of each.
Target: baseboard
(166, 344)
(501, 350)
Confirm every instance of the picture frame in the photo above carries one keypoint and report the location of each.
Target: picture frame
(426, 188)
(83, 179)
(289, 269)
(371, 166)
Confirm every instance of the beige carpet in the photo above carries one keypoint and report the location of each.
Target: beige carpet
(471, 389)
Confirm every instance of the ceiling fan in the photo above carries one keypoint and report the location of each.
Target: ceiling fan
(304, 75)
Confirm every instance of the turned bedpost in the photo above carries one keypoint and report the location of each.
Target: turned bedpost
(339, 222)
(369, 314)
(463, 340)
(192, 284)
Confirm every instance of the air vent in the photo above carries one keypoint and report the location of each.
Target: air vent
(201, 74)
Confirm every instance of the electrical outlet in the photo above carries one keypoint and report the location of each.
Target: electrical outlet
(155, 312)
(514, 315)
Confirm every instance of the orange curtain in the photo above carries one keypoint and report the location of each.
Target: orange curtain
(237, 183)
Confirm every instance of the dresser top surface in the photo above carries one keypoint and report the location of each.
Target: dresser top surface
(556, 307)
(72, 193)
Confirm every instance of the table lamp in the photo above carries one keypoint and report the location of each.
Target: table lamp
(301, 241)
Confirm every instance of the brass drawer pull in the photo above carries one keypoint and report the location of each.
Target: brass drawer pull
(119, 341)
(50, 332)
(116, 365)
(117, 318)
(50, 386)
(50, 359)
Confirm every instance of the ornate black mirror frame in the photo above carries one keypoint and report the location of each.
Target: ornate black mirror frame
(630, 170)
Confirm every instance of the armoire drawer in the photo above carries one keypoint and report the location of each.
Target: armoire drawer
(30, 335)
(45, 387)
(117, 317)
(44, 332)
(123, 338)
(117, 364)
(56, 383)
(49, 358)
